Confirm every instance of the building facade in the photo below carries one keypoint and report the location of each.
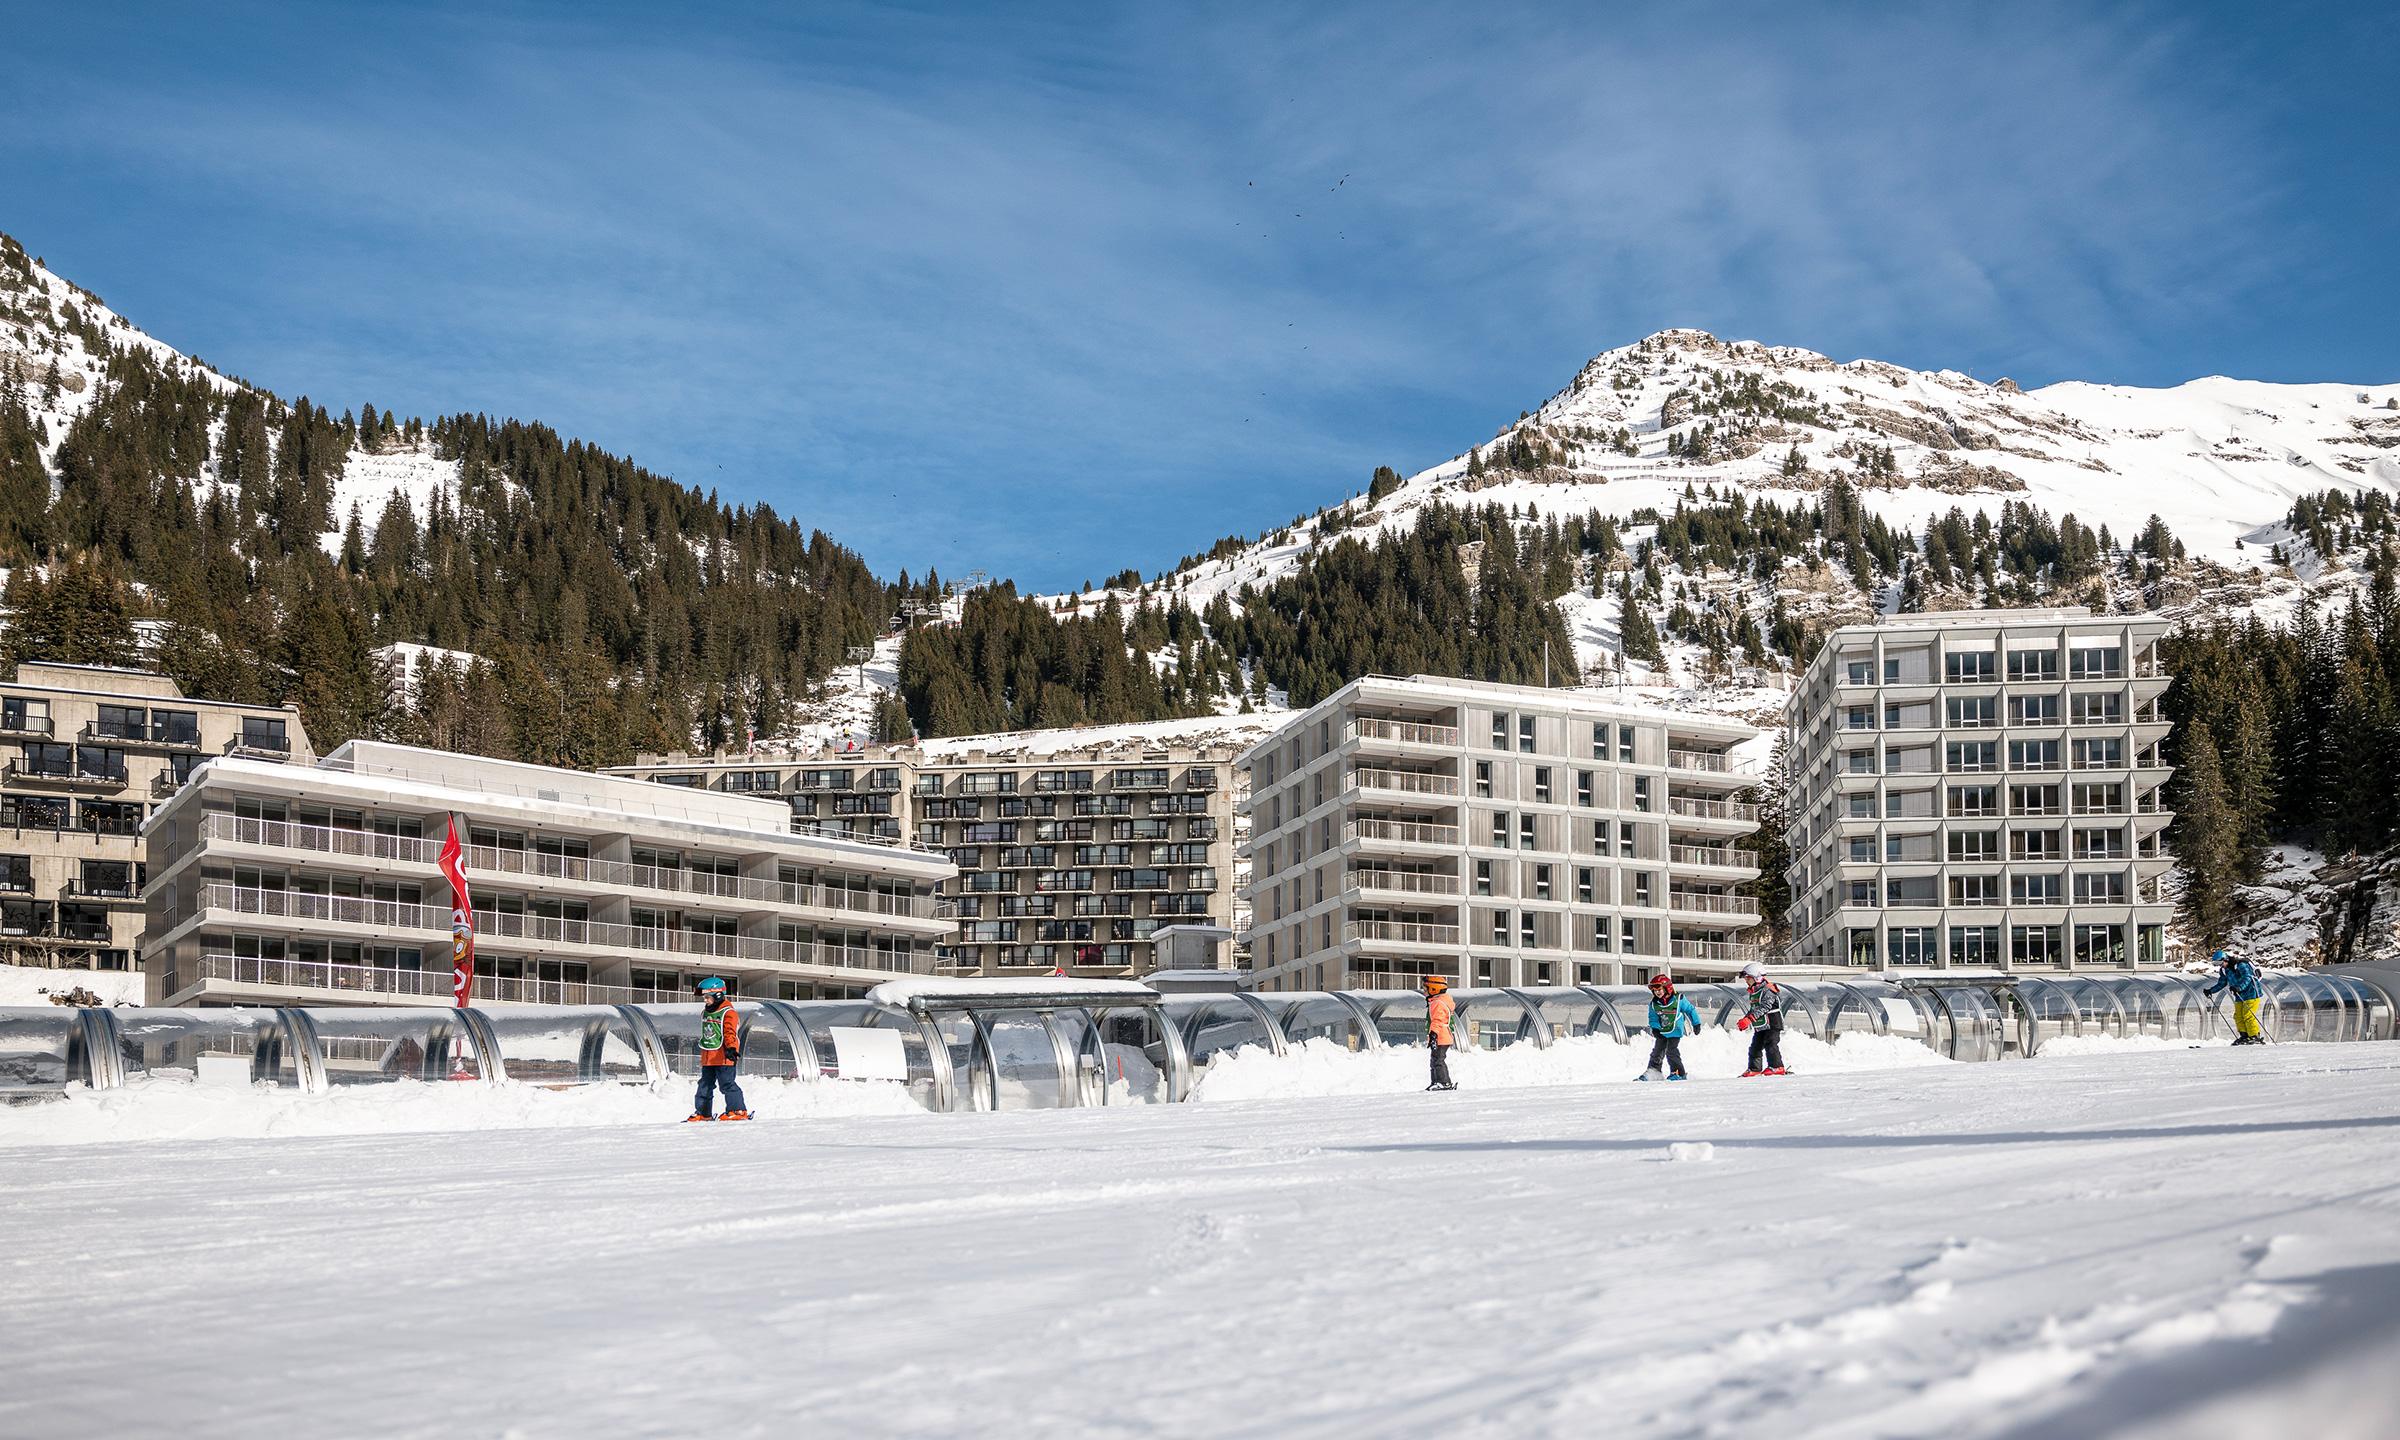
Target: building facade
(1067, 856)
(92, 750)
(320, 884)
(1496, 835)
(1981, 790)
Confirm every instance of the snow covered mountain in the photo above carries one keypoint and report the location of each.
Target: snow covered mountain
(2220, 461)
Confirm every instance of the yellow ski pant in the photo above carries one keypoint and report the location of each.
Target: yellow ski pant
(2245, 1017)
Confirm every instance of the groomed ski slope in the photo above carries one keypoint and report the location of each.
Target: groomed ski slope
(2152, 1241)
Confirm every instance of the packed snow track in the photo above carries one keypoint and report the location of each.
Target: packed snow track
(2158, 1241)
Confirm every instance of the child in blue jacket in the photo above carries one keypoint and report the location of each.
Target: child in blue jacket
(1671, 1018)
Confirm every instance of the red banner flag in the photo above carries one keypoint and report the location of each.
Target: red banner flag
(462, 918)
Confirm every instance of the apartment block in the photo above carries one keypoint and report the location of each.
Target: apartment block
(320, 884)
(1068, 856)
(91, 750)
(1496, 835)
(1981, 790)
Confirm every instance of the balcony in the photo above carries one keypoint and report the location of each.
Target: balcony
(102, 782)
(259, 746)
(1404, 782)
(607, 874)
(1402, 882)
(126, 893)
(1399, 932)
(1690, 809)
(1696, 904)
(36, 727)
(1706, 761)
(150, 737)
(1403, 732)
(1713, 857)
(1390, 979)
(416, 984)
(1400, 832)
(1729, 952)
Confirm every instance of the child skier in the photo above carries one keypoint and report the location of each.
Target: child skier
(1764, 1019)
(720, 1053)
(1440, 1013)
(2241, 977)
(1671, 1018)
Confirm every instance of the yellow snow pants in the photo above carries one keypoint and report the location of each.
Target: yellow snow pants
(2245, 1017)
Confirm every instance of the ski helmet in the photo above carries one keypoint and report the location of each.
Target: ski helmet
(1662, 983)
(711, 986)
(1436, 984)
(1754, 971)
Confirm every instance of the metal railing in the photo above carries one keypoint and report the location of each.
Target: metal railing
(1726, 858)
(1405, 781)
(1709, 761)
(1406, 832)
(432, 920)
(1405, 882)
(1710, 809)
(1405, 732)
(435, 984)
(1725, 950)
(1392, 979)
(1712, 904)
(1400, 932)
(616, 874)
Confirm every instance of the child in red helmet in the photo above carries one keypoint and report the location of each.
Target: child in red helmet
(1671, 1018)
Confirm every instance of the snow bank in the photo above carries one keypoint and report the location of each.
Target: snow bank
(1320, 1067)
(34, 985)
(2064, 1045)
(165, 1109)
(899, 993)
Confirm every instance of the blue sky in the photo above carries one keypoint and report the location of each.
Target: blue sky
(1054, 290)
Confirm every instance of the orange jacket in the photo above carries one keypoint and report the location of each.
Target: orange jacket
(730, 1047)
(1438, 1012)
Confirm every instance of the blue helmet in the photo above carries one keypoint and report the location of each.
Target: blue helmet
(2223, 957)
(712, 986)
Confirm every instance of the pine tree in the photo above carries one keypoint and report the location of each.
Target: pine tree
(2208, 836)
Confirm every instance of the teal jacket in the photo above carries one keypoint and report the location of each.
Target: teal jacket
(2241, 977)
(1675, 1020)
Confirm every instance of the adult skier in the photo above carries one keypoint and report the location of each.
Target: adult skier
(720, 1054)
(1441, 1013)
(2241, 977)
(1671, 1018)
(1763, 1018)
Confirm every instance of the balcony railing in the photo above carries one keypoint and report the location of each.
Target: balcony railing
(267, 747)
(1712, 904)
(1725, 859)
(1722, 950)
(1404, 882)
(1407, 782)
(17, 771)
(1400, 932)
(391, 980)
(1404, 732)
(41, 725)
(390, 915)
(1404, 832)
(1710, 809)
(1389, 979)
(1709, 761)
(407, 850)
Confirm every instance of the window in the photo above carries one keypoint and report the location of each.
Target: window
(1583, 788)
(1861, 894)
(2033, 845)
(1974, 846)
(1625, 839)
(261, 733)
(1974, 800)
(2099, 799)
(47, 760)
(2033, 755)
(1858, 762)
(24, 715)
(1525, 930)
(2033, 890)
(1975, 945)
(2033, 665)
(2099, 944)
(2100, 753)
(1972, 713)
(1525, 734)
(1891, 671)
(1499, 732)
(1500, 828)
(2102, 887)
(2033, 709)
(1541, 783)
(2033, 800)
(1862, 807)
(1974, 890)
(2033, 945)
(1499, 927)
(2099, 844)
(1966, 757)
(1973, 667)
(1483, 877)
(1641, 793)
(1910, 890)
(1584, 888)
(1625, 933)
(1641, 888)
(121, 722)
(1858, 672)
(2096, 664)
(1625, 744)
(2105, 708)
(1599, 741)
(1911, 945)
(1859, 717)
(1603, 934)
(1862, 847)
(1483, 778)
(1525, 831)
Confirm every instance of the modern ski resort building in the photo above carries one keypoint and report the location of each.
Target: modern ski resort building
(91, 750)
(1068, 856)
(1981, 790)
(1496, 835)
(320, 884)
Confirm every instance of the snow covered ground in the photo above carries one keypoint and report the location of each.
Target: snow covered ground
(35, 984)
(2171, 1242)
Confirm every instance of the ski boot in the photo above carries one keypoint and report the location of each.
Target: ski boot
(1649, 1075)
(735, 1115)
(1748, 1074)
(1778, 1070)
(1679, 1077)
(696, 1118)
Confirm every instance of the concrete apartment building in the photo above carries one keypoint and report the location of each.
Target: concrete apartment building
(1981, 790)
(91, 751)
(1068, 855)
(319, 884)
(1496, 835)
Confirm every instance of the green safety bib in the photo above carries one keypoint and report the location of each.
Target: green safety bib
(712, 1031)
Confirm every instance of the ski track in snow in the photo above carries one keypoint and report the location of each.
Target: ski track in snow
(2164, 1242)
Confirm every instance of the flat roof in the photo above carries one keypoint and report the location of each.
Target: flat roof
(1582, 700)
